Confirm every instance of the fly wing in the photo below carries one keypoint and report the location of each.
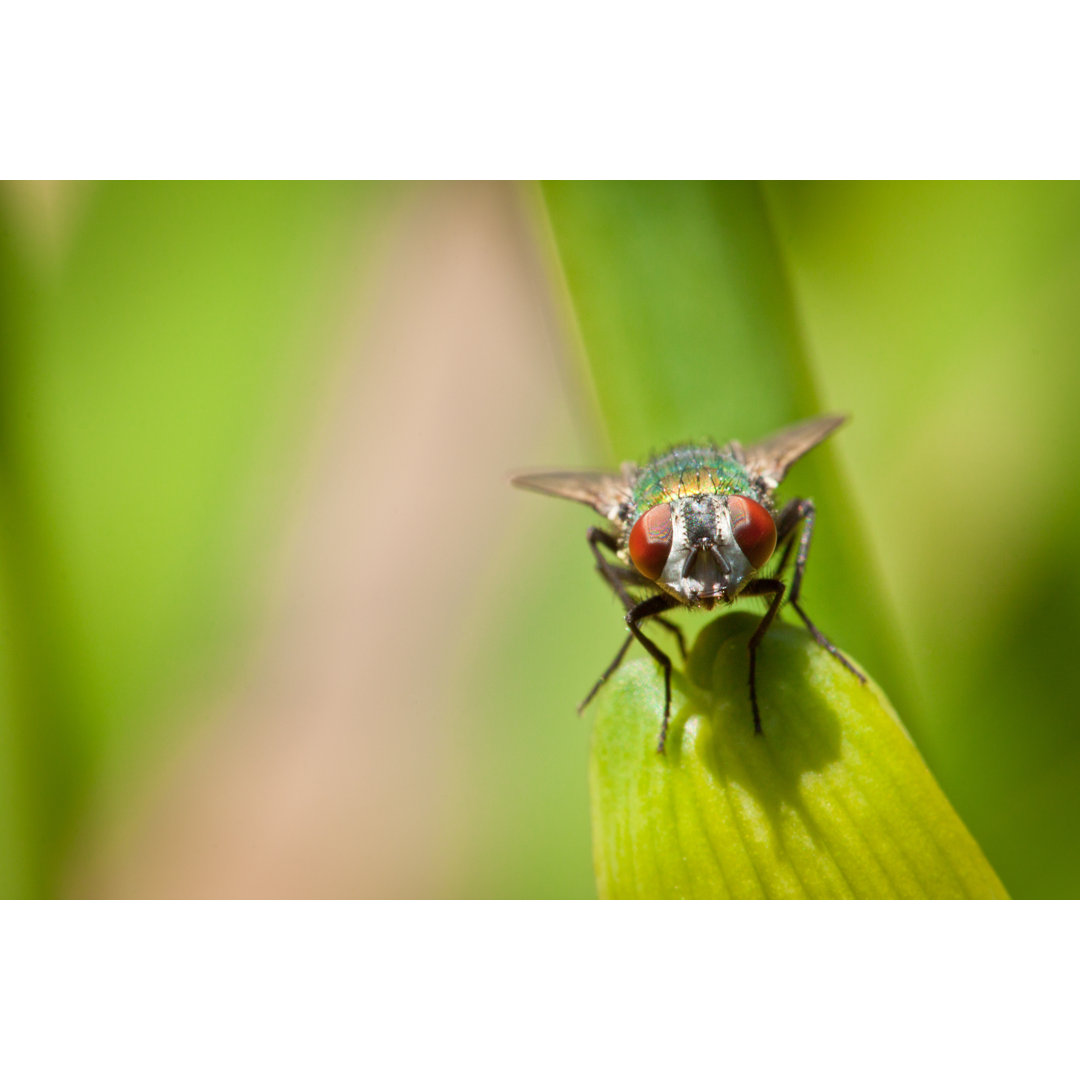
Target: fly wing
(772, 457)
(606, 493)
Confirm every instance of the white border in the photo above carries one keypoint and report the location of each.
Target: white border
(580, 89)
(538, 990)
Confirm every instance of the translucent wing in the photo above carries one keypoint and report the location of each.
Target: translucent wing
(772, 457)
(604, 492)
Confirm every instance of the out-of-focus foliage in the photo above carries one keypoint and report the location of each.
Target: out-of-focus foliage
(947, 317)
(150, 383)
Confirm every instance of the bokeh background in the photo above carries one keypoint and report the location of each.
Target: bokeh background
(272, 622)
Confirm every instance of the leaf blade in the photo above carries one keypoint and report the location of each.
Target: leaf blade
(832, 801)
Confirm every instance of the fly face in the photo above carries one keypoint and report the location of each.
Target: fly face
(695, 527)
(703, 549)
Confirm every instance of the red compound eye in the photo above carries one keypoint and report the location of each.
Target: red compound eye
(753, 528)
(650, 541)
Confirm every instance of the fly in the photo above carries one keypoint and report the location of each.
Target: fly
(695, 527)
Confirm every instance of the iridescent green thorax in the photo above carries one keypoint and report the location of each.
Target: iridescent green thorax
(690, 470)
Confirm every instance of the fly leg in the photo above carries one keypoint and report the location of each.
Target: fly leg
(607, 571)
(608, 672)
(796, 511)
(782, 564)
(655, 605)
(761, 587)
(667, 624)
(617, 577)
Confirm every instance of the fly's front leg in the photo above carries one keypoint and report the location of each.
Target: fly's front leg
(796, 511)
(761, 587)
(655, 605)
(781, 566)
(609, 573)
(617, 577)
(668, 625)
(608, 672)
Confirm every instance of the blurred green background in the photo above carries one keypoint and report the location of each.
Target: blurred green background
(272, 621)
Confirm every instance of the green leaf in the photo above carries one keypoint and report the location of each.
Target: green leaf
(683, 308)
(832, 800)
